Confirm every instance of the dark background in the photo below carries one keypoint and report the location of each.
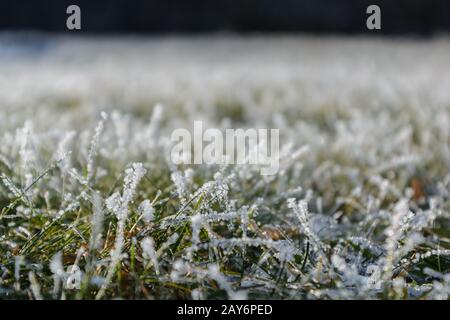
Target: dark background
(422, 17)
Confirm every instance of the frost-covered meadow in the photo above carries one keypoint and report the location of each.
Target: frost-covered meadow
(93, 207)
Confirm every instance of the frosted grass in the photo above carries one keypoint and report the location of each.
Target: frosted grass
(92, 207)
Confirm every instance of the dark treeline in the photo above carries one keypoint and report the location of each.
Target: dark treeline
(150, 16)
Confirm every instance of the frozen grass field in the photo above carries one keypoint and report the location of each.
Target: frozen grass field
(93, 208)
